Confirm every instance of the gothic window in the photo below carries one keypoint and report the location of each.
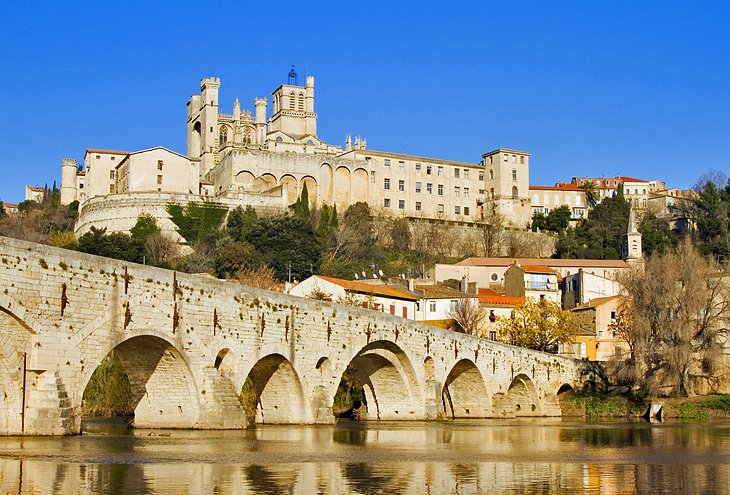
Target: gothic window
(223, 135)
(515, 192)
(292, 101)
(247, 136)
(301, 102)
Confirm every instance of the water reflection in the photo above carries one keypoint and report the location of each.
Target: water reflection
(528, 456)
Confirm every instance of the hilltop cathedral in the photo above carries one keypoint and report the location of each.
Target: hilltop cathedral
(267, 157)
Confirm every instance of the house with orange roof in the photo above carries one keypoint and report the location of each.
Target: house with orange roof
(407, 299)
(583, 286)
(536, 281)
(546, 198)
(33, 193)
(496, 307)
(594, 319)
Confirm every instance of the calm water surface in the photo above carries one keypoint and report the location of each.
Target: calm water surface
(537, 456)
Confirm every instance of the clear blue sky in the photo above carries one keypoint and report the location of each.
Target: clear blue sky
(588, 88)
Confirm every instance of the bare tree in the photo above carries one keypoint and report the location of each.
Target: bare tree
(262, 277)
(160, 249)
(677, 321)
(469, 316)
(320, 294)
(491, 227)
(717, 177)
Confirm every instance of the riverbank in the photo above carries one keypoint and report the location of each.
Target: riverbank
(698, 408)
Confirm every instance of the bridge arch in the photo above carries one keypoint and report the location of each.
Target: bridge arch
(389, 381)
(465, 394)
(16, 339)
(522, 396)
(163, 388)
(278, 391)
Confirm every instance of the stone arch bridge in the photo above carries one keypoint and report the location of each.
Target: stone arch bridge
(189, 343)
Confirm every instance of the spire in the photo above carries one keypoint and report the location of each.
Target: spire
(293, 79)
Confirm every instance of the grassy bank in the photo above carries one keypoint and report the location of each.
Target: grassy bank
(635, 406)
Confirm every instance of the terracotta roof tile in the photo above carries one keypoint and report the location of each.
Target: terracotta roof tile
(375, 289)
(488, 296)
(538, 269)
(439, 291)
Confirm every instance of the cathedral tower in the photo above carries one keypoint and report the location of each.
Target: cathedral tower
(293, 109)
(203, 123)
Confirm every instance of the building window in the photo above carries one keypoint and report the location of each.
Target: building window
(98, 157)
(466, 193)
(494, 277)
(491, 193)
(428, 169)
(429, 188)
(401, 204)
(418, 187)
(113, 158)
(111, 188)
(514, 174)
(418, 206)
(159, 179)
(402, 166)
(457, 210)
(401, 185)
(440, 171)
(440, 189)
(418, 168)
(466, 211)
(491, 174)
(522, 160)
(440, 208)
(111, 174)
(432, 306)
(515, 192)
(456, 173)
(613, 315)
(405, 312)
(159, 164)
(386, 163)
(504, 158)
(386, 203)
(372, 176)
(514, 159)
(481, 175)
(386, 183)
(492, 335)
(457, 191)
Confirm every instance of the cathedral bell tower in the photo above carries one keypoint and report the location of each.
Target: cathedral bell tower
(293, 109)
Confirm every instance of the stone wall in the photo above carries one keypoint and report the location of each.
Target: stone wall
(119, 212)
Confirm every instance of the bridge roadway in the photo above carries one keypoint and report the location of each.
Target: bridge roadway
(189, 342)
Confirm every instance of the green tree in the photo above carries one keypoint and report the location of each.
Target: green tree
(198, 222)
(231, 257)
(240, 222)
(539, 221)
(300, 207)
(116, 245)
(558, 219)
(285, 243)
(712, 217)
(607, 225)
(589, 187)
(656, 236)
(145, 226)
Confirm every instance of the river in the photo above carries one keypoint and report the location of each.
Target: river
(534, 456)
